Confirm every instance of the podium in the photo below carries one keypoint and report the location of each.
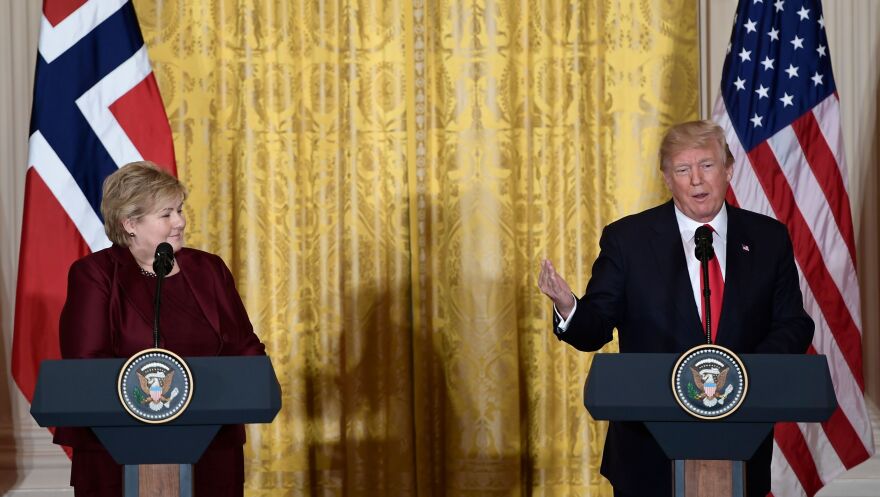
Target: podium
(638, 387)
(227, 390)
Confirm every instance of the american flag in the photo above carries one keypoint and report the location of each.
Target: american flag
(96, 107)
(779, 108)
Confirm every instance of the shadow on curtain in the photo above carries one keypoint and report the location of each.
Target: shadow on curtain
(383, 179)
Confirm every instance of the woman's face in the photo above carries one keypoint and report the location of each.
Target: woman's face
(165, 223)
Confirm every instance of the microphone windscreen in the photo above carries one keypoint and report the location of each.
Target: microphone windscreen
(163, 261)
(164, 249)
(703, 235)
(703, 243)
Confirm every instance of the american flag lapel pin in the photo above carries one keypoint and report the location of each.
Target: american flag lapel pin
(745, 247)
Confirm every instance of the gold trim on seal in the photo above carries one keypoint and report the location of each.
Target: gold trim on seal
(135, 357)
(736, 359)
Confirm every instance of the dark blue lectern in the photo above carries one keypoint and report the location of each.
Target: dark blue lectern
(638, 387)
(227, 390)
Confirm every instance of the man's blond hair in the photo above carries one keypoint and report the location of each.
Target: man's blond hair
(692, 135)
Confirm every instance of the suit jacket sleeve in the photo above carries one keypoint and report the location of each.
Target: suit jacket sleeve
(791, 328)
(84, 327)
(602, 305)
(239, 338)
(84, 330)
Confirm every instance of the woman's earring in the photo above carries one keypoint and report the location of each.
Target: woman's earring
(131, 234)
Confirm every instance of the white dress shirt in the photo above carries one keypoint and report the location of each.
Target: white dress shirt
(687, 228)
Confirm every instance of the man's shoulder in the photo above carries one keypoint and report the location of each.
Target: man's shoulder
(663, 215)
(656, 217)
(754, 222)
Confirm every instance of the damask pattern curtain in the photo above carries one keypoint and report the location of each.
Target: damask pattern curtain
(384, 178)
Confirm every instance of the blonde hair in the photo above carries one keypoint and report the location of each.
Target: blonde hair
(691, 135)
(131, 193)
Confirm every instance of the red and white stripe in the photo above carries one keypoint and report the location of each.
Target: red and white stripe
(57, 178)
(95, 105)
(65, 22)
(799, 177)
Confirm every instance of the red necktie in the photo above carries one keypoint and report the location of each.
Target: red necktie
(716, 285)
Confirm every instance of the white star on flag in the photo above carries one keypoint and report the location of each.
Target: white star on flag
(762, 92)
(804, 13)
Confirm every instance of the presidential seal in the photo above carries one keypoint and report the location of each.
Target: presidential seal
(155, 386)
(709, 382)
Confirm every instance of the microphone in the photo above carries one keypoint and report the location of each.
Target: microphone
(703, 240)
(705, 253)
(163, 262)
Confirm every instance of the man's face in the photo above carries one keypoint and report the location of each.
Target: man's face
(698, 180)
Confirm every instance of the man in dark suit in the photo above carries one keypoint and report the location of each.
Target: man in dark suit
(646, 283)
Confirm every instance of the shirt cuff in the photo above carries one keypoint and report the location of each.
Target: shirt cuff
(563, 323)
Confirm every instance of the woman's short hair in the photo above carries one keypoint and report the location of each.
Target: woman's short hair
(691, 135)
(131, 193)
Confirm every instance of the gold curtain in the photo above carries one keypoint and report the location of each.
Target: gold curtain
(383, 178)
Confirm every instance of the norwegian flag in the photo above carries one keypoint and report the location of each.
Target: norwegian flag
(96, 107)
(780, 110)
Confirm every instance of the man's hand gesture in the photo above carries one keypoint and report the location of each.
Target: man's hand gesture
(555, 287)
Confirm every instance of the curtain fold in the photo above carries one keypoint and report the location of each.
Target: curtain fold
(383, 179)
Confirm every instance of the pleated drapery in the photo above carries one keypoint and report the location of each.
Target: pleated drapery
(383, 178)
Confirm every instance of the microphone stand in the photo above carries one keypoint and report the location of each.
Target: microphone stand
(163, 263)
(707, 292)
(157, 302)
(705, 253)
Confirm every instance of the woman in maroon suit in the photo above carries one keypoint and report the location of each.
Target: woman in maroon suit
(109, 313)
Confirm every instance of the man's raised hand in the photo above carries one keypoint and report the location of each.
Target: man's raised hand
(555, 287)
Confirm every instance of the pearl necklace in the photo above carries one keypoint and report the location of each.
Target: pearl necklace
(147, 273)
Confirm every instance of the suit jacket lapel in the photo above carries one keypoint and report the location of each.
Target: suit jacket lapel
(132, 284)
(737, 271)
(204, 290)
(671, 267)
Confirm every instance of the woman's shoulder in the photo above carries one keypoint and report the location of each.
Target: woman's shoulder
(102, 258)
(194, 254)
(98, 266)
(199, 260)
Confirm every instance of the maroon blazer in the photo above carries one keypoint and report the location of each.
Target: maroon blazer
(109, 313)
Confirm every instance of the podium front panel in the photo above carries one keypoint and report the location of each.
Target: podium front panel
(226, 390)
(729, 441)
(638, 387)
(165, 444)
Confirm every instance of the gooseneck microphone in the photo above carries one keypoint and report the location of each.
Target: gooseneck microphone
(705, 253)
(163, 263)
